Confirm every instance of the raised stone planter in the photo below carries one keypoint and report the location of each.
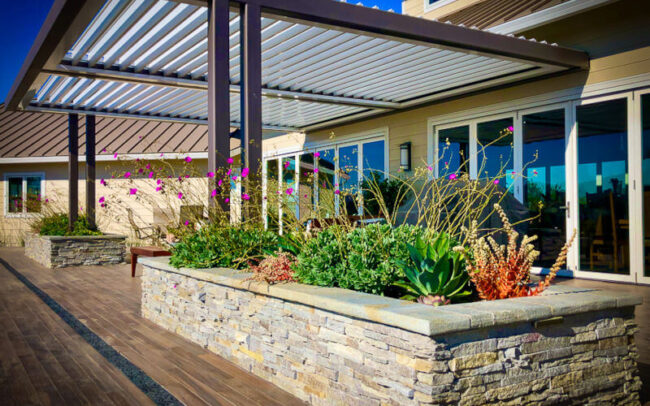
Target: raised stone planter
(60, 252)
(337, 347)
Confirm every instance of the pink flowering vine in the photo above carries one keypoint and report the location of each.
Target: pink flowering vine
(210, 174)
(230, 161)
(188, 159)
(244, 172)
(150, 175)
(180, 195)
(315, 170)
(133, 191)
(245, 196)
(289, 191)
(102, 182)
(316, 154)
(102, 199)
(214, 193)
(127, 174)
(453, 176)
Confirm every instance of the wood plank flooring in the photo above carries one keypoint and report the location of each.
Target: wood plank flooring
(44, 361)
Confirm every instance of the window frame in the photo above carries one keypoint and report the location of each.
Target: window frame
(24, 176)
(428, 6)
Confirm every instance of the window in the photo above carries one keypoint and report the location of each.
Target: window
(310, 181)
(23, 193)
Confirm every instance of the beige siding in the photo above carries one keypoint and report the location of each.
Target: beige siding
(416, 8)
(12, 229)
(412, 125)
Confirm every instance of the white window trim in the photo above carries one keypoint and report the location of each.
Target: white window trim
(428, 6)
(24, 176)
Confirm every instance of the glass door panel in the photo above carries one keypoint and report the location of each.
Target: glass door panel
(645, 166)
(272, 188)
(495, 157)
(306, 176)
(349, 177)
(544, 181)
(373, 159)
(289, 189)
(326, 181)
(453, 150)
(603, 194)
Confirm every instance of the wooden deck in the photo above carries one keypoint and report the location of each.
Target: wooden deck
(44, 361)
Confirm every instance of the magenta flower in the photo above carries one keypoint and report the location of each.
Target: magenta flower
(496, 181)
(244, 172)
(315, 170)
(286, 164)
(180, 195)
(187, 176)
(140, 170)
(104, 150)
(220, 182)
(137, 159)
(230, 161)
(148, 166)
(453, 176)
(289, 191)
(229, 172)
(102, 199)
(188, 159)
(305, 196)
(245, 196)
(316, 154)
(227, 200)
(47, 200)
(214, 193)
(102, 182)
(187, 222)
(115, 155)
(234, 178)
(127, 174)
(511, 128)
(430, 168)
(150, 175)
(210, 175)
(161, 154)
(337, 192)
(133, 191)
(535, 172)
(102, 205)
(159, 181)
(159, 188)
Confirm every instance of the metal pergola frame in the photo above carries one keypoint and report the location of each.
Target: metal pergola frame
(68, 20)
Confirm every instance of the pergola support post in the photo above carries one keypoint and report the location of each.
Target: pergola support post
(73, 170)
(218, 91)
(251, 95)
(90, 172)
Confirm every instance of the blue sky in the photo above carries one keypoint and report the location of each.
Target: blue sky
(21, 20)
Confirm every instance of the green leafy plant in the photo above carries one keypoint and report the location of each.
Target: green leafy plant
(216, 245)
(381, 196)
(363, 259)
(436, 269)
(57, 224)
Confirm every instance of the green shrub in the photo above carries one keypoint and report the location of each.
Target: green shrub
(437, 270)
(57, 224)
(364, 259)
(222, 246)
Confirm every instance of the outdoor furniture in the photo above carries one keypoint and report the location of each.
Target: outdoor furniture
(146, 252)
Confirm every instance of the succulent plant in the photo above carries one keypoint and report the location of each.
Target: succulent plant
(432, 300)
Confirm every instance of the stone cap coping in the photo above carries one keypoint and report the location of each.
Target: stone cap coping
(82, 237)
(556, 301)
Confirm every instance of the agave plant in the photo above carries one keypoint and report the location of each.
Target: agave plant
(438, 270)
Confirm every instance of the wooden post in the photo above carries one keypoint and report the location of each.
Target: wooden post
(90, 172)
(73, 170)
(218, 91)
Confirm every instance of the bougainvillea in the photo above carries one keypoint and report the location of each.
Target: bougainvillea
(503, 271)
(274, 269)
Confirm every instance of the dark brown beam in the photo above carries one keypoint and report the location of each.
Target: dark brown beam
(65, 22)
(251, 95)
(73, 170)
(398, 26)
(218, 89)
(90, 172)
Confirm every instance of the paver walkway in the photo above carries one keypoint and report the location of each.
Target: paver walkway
(44, 360)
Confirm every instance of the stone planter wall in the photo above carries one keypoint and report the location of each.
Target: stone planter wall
(60, 252)
(337, 347)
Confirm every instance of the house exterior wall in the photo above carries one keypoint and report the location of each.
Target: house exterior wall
(13, 228)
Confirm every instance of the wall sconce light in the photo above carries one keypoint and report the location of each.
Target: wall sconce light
(405, 156)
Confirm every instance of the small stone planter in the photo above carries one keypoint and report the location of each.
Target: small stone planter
(333, 346)
(61, 252)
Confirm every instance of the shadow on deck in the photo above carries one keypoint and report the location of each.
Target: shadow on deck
(75, 336)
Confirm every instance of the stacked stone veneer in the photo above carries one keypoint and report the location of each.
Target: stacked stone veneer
(60, 252)
(336, 347)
